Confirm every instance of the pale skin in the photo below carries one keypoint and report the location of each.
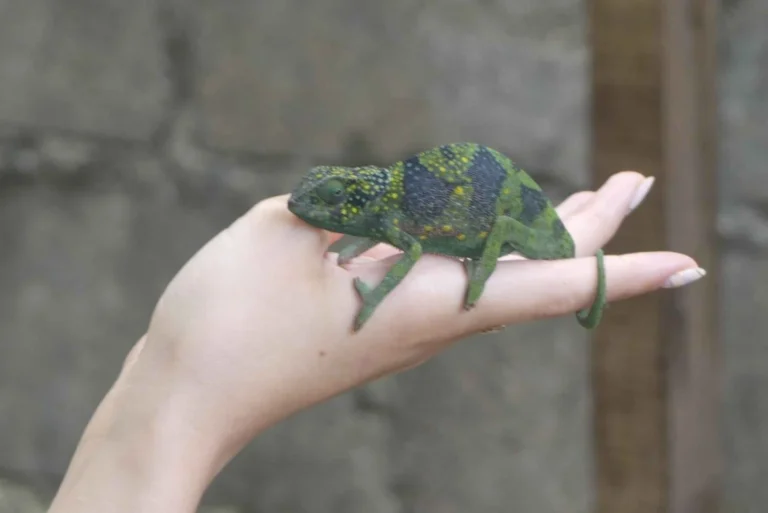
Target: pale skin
(257, 326)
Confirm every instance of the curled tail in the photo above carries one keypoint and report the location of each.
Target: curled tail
(589, 319)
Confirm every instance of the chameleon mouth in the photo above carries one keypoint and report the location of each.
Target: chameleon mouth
(293, 205)
(307, 212)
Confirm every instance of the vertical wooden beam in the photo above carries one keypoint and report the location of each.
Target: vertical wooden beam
(691, 204)
(655, 360)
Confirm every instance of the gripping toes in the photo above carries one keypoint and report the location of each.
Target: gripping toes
(362, 288)
(475, 286)
(362, 316)
(364, 291)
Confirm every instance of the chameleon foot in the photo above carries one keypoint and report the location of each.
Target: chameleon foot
(363, 316)
(364, 291)
(475, 287)
(362, 288)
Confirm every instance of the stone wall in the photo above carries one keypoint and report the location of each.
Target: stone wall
(743, 225)
(131, 132)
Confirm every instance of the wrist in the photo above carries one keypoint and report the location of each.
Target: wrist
(151, 469)
(112, 476)
(137, 455)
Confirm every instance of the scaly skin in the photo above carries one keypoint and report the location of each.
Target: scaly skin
(462, 200)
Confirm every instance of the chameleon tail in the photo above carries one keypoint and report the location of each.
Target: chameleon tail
(589, 319)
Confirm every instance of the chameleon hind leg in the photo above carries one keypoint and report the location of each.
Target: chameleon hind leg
(531, 243)
(373, 296)
(479, 270)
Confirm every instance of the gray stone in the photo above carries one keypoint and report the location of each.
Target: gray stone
(744, 103)
(745, 377)
(743, 223)
(86, 65)
(744, 226)
(66, 153)
(332, 458)
(219, 509)
(15, 498)
(499, 423)
(319, 77)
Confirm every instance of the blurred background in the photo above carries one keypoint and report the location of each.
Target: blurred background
(132, 132)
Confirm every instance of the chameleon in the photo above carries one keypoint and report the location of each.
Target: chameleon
(462, 200)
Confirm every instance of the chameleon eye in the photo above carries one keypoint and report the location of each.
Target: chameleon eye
(332, 192)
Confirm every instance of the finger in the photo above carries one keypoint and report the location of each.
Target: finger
(561, 287)
(518, 291)
(380, 251)
(595, 224)
(574, 203)
(270, 222)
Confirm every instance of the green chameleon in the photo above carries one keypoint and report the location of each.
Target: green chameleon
(463, 200)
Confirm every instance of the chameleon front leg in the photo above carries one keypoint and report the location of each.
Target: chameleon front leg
(355, 249)
(373, 296)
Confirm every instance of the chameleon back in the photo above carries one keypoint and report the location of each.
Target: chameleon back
(451, 196)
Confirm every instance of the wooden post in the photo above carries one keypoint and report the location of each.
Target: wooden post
(655, 358)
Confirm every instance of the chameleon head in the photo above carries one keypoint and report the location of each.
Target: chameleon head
(337, 198)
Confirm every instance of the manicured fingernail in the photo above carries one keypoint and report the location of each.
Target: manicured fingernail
(641, 192)
(682, 278)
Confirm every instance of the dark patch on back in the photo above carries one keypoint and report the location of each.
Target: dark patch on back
(534, 203)
(487, 177)
(426, 195)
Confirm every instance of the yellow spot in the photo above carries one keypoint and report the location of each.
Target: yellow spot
(428, 228)
(442, 169)
(464, 159)
(459, 190)
(354, 210)
(396, 221)
(394, 195)
(343, 211)
(483, 235)
(447, 228)
(506, 190)
(423, 237)
(461, 236)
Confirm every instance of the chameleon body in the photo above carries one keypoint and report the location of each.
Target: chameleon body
(462, 200)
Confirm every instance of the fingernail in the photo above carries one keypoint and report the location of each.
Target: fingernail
(641, 192)
(685, 277)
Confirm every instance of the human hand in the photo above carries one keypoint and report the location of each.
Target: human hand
(258, 324)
